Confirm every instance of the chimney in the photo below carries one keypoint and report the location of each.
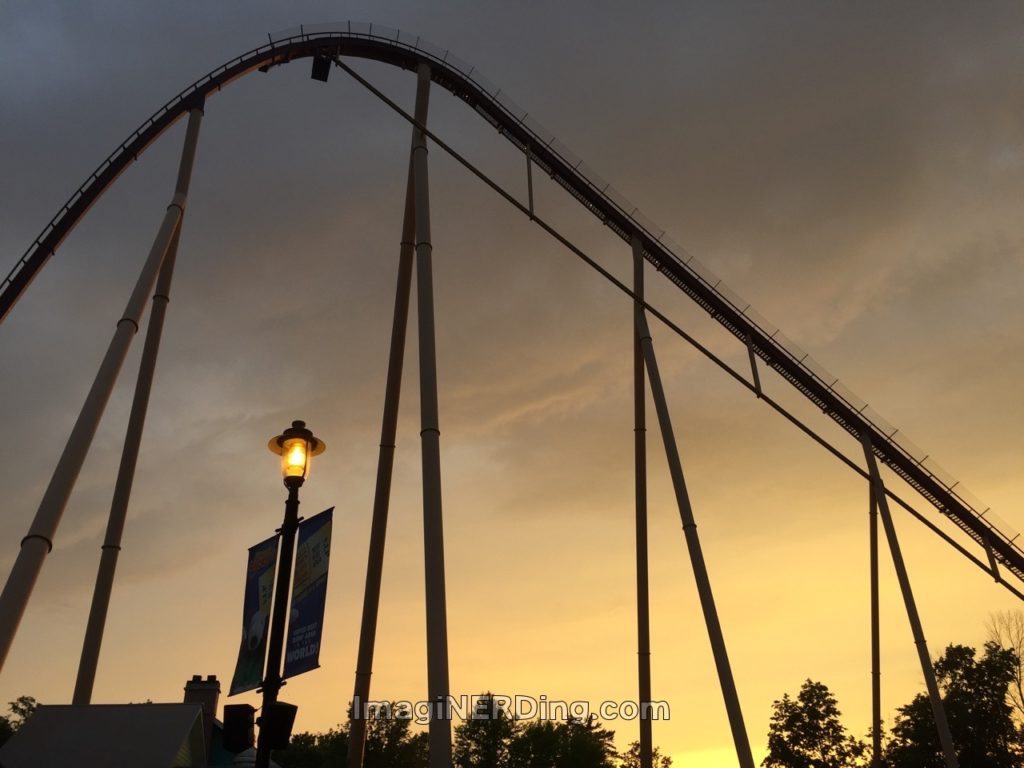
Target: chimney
(207, 694)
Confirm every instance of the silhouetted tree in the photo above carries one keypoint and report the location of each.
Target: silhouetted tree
(806, 732)
(491, 739)
(1006, 629)
(21, 709)
(588, 745)
(974, 693)
(483, 741)
(631, 757)
(572, 744)
(537, 744)
(390, 743)
(315, 750)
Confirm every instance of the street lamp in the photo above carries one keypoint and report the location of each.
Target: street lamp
(296, 446)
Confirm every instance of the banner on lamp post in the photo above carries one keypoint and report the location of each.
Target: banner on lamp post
(259, 591)
(309, 595)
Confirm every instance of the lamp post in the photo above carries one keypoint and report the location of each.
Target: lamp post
(296, 446)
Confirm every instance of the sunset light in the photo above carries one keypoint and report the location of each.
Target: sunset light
(657, 346)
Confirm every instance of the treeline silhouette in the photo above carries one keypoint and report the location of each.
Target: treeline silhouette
(492, 738)
(979, 694)
(983, 696)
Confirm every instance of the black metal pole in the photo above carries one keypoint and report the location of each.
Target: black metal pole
(643, 602)
(272, 679)
(876, 643)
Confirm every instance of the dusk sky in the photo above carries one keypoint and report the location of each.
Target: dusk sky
(855, 171)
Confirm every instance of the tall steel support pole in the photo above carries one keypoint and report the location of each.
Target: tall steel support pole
(385, 464)
(700, 572)
(938, 710)
(39, 540)
(876, 644)
(643, 610)
(440, 728)
(129, 457)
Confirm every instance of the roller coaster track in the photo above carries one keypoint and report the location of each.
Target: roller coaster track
(368, 41)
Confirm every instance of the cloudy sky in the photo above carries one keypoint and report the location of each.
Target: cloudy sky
(855, 171)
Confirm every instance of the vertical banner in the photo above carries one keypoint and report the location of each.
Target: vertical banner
(309, 593)
(259, 591)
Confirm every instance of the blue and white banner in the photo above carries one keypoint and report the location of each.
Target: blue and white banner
(259, 592)
(309, 595)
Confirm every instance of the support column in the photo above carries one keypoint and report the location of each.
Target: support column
(876, 645)
(753, 367)
(39, 540)
(440, 729)
(385, 464)
(700, 573)
(529, 179)
(129, 457)
(643, 610)
(938, 710)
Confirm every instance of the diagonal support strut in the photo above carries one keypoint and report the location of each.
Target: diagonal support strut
(39, 541)
(700, 572)
(938, 710)
(385, 466)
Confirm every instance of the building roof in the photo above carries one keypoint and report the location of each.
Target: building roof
(109, 736)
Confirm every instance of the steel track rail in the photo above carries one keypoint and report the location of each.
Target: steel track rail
(753, 388)
(462, 80)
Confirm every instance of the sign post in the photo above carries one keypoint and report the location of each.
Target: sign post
(264, 616)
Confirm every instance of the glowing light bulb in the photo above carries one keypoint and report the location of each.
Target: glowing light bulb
(294, 458)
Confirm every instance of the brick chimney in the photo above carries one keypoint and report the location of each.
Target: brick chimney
(207, 694)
